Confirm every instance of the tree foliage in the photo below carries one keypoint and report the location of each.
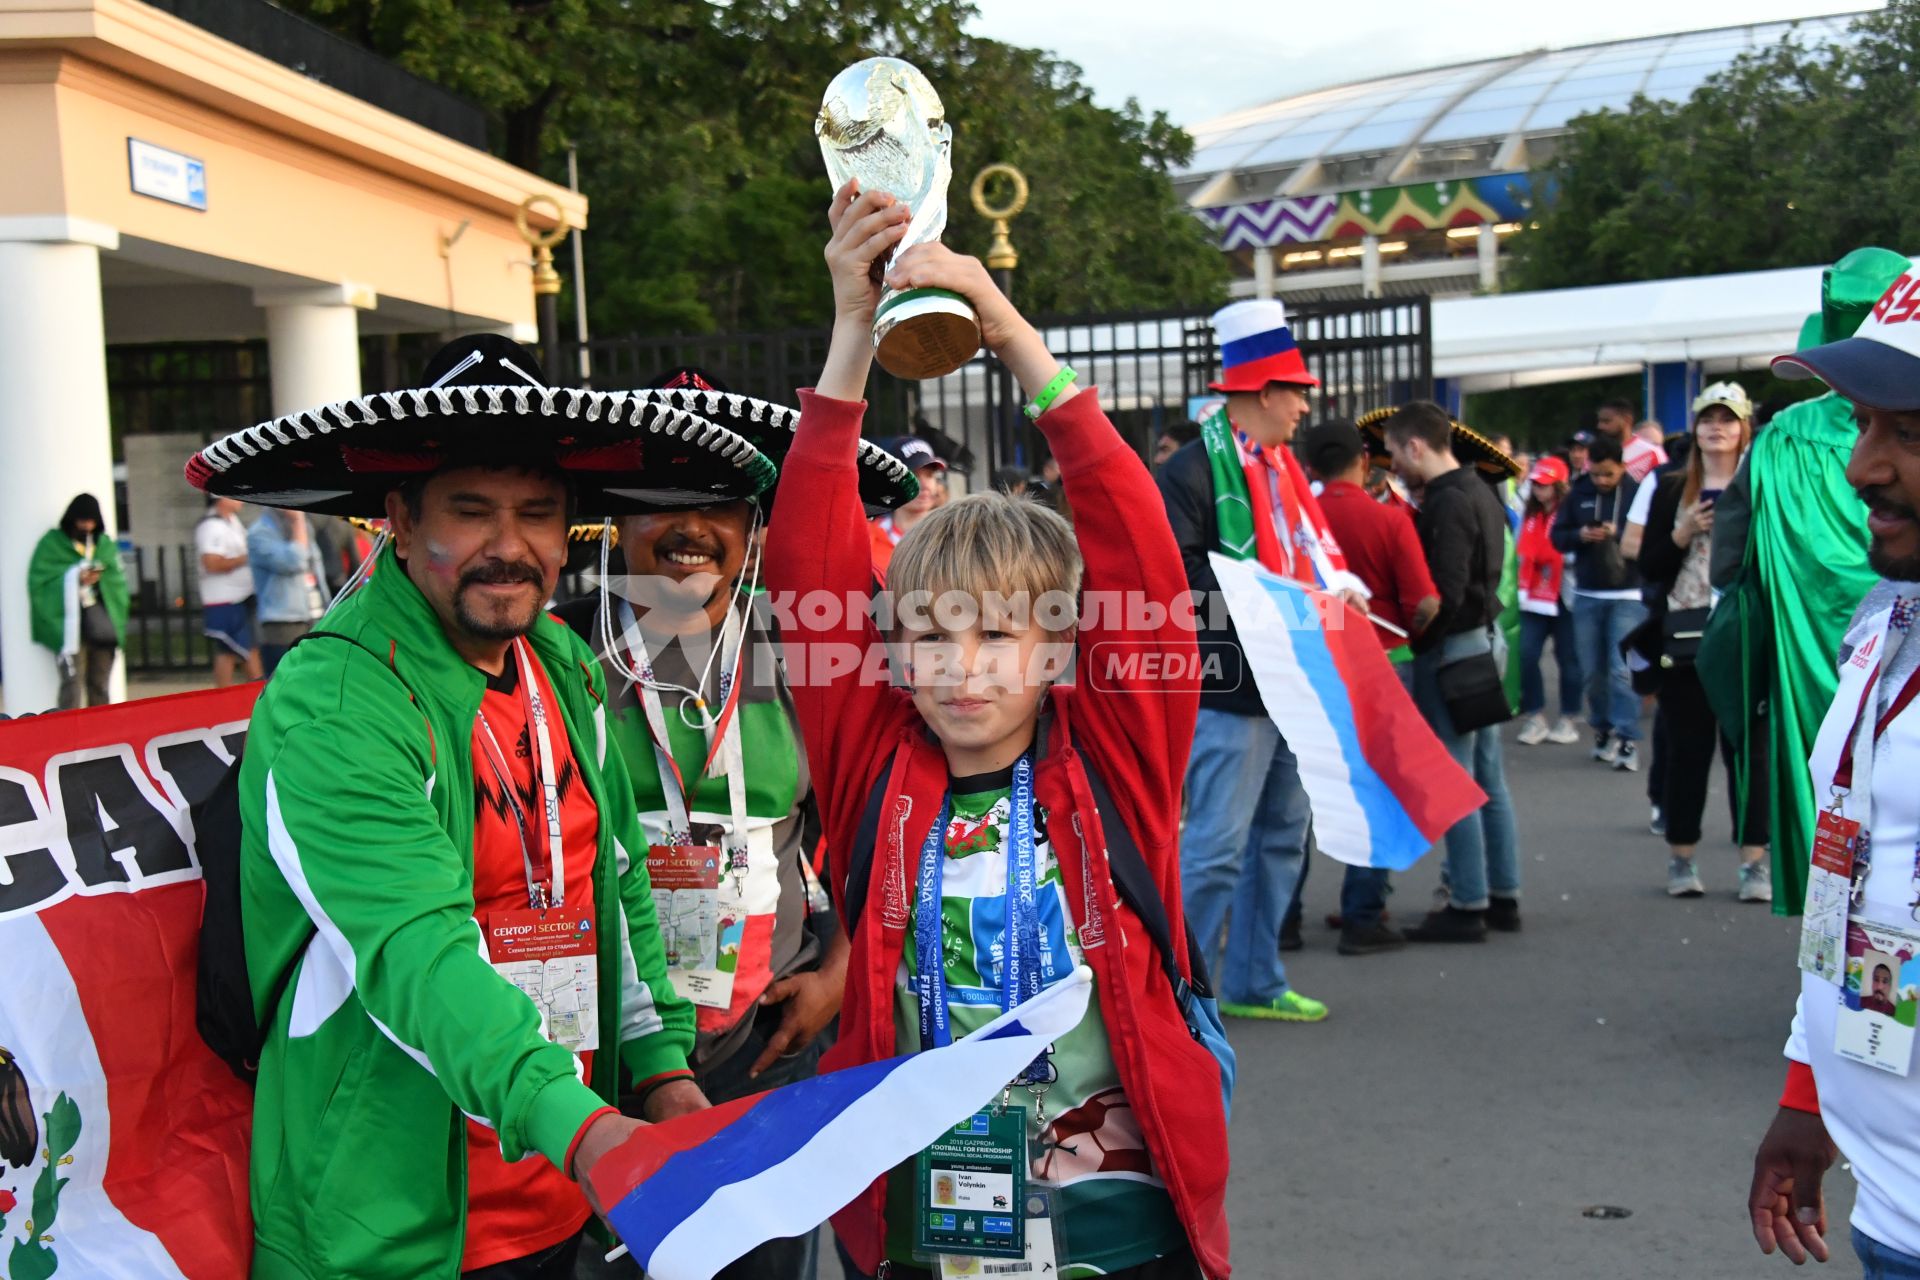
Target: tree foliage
(1792, 156)
(694, 126)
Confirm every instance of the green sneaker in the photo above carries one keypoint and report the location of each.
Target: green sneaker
(1291, 1007)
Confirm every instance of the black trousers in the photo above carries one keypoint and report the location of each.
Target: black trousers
(1692, 735)
(549, 1264)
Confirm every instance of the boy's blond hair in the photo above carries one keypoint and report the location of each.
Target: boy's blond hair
(989, 546)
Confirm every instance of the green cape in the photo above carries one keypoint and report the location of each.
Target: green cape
(53, 557)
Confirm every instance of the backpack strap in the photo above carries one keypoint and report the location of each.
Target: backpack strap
(1134, 882)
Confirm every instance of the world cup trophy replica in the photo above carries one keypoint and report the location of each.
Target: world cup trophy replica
(881, 122)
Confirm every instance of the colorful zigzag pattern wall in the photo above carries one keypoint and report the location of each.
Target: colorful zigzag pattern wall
(1423, 206)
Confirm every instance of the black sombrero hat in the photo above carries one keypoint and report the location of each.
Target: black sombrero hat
(885, 482)
(1492, 462)
(485, 401)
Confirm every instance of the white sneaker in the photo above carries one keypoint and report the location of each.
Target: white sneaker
(1626, 756)
(1606, 746)
(1533, 732)
(1682, 880)
(1566, 733)
(1756, 881)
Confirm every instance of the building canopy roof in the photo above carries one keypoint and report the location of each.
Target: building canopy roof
(1500, 100)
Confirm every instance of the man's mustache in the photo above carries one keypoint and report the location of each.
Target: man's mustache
(687, 544)
(500, 573)
(1883, 502)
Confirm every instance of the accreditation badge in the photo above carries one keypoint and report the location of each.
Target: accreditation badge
(1879, 996)
(552, 955)
(1823, 927)
(701, 934)
(970, 1188)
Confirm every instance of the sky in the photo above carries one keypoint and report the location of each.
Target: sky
(1202, 58)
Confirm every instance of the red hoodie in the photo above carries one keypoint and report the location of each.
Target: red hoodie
(1136, 727)
(1541, 565)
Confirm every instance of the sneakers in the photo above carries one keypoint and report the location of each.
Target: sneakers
(1658, 822)
(1533, 732)
(1450, 924)
(1566, 733)
(1756, 881)
(1371, 941)
(1626, 756)
(1291, 1007)
(1606, 746)
(1503, 914)
(1684, 882)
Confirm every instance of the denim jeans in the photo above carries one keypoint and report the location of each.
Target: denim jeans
(1483, 848)
(1535, 630)
(1600, 626)
(1883, 1262)
(1243, 846)
(1363, 897)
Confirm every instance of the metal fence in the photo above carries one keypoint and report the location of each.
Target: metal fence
(1152, 368)
(163, 617)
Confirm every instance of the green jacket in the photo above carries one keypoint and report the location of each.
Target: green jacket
(357, 802)
(55, 561)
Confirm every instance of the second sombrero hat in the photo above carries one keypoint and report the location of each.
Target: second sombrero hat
(484, 401)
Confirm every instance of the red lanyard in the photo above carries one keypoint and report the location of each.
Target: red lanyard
(1843, 772)
(638, 660)
(544, 861)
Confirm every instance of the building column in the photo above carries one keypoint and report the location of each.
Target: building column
(54, 436)
(313, 343)
(1488, 245)
(1370, 266)
(1263, 272)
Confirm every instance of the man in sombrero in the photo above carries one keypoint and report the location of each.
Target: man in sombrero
(450, 934)
(1239, 490)
(700, 710)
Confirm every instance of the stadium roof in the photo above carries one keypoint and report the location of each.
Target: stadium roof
(1452, 121)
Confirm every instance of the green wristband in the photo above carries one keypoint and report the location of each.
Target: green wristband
(1044, 401)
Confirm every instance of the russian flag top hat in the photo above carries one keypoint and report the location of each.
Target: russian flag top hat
(1257, 347)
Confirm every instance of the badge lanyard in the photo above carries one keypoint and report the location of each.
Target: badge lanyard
(723, 737)
(1020, 966)
(546, 879)
(1847, 772)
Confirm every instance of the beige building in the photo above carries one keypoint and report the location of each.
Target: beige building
(167, 184)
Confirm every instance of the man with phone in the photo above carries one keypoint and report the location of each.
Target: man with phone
(1606, 599)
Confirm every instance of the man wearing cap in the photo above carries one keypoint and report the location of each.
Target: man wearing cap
(1382, 548)
(703, 717)
(1790, 550)
(1240, 491)
(931, 471)
(450, 934)
(1852, 1087)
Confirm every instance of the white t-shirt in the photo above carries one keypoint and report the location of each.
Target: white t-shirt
(1871, 1115)
(1642, 504)
(223, 536)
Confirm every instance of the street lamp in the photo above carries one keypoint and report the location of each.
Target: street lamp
(546, 281)
(1001, 260)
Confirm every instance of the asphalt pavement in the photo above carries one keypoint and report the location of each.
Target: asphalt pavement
(1465, 1107)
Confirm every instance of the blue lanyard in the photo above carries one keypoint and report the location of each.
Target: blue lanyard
(1020, 970)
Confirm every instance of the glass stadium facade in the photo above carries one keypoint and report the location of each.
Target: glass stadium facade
(1407, 184)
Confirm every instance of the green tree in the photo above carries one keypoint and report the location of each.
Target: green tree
(1793, 155)
(694, 124)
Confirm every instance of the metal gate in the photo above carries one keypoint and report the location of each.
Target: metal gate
(1152, 369)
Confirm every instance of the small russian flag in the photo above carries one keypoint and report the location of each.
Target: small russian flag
(691, 1195)
(1383, 789)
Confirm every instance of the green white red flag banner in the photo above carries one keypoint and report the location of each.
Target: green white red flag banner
(123, 1139)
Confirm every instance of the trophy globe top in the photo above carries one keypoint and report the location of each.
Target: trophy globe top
(881, 121)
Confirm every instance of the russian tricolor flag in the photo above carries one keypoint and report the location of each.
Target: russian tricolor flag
(1383, 788)
(693, 1194)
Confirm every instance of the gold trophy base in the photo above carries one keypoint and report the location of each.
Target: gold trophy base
(925, 333)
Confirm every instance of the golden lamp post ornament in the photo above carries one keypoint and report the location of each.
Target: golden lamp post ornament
(546, 281)
(1001, 255)
(882, 122)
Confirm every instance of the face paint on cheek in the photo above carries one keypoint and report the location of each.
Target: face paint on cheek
(440, 561)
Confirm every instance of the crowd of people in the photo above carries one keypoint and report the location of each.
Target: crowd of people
(780, 838)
